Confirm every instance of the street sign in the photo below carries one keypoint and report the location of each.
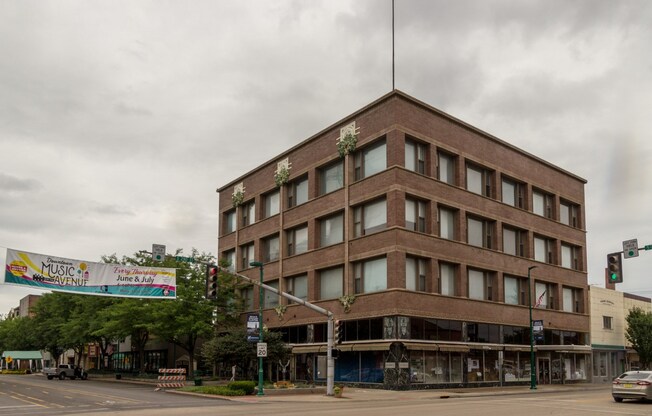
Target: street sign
(261, 349)
(185, 259)
(630, 248)
(158, 252)
(9, 359)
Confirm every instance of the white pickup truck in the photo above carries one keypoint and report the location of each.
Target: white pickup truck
(64, 371)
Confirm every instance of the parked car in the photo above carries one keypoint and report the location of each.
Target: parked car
(64, 371)
(632, 385)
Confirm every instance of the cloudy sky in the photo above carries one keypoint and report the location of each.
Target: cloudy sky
(119, 119)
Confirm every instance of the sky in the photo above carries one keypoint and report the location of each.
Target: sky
(120, 119)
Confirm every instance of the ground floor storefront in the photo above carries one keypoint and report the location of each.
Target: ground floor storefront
(419, 365)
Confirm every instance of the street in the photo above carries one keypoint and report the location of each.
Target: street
(35, 395)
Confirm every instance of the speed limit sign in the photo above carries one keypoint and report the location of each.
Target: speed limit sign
(261, 347)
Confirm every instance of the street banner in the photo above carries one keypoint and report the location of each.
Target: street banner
(88, 278)
(537, 330)
(253, 328)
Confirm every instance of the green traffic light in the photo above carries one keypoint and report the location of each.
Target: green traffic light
(614, 277)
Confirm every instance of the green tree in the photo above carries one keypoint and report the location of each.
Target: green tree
(51, 314)
(232, 347)
(639, 334)
(189, 318)
(18, 334)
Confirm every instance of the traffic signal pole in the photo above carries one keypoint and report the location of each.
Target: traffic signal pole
(330, 363)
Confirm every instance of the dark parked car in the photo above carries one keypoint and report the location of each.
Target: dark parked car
(632, 385)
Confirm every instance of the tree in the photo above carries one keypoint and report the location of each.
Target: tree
(188, 318)
(51, 314)
(232, 347)
(639, 334)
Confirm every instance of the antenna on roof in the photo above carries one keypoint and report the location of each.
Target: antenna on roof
(393, 65)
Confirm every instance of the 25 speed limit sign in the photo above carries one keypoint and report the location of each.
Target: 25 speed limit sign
(261, 347)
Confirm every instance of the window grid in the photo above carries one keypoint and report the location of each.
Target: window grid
(415, 156)
(415, 215)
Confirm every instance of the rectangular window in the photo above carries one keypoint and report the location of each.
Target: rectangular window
(480, 285)
(415, 215)
(513, 193)
(272, 203)
(447, 279)
(331, 283)
(480, 232)
(297, 192)
(248, 211)
(271, 248)
(371, 275)
(331, 230)
(331, 178)
(229, 257)
(298, 286)
(545, 295)
(270, 298)
(229, 222)
(479, 180)
(447, 223)
(571, 301)
(297, 240)
(247, 295)
(446, 168)
(370, 218)
(569, 214)
(370, 160)
(515, 291)
(514, 241)
(607, 322)
(415, 274)
(543, 250)
(542, 204)
(415, 156)
(246, 255)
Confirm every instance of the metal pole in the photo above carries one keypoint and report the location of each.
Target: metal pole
(533, 379)
(393, 64)
(260, 331)
(330, 362)
(330, 369)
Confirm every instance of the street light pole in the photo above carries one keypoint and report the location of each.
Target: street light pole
(533, 380)
(260, 324)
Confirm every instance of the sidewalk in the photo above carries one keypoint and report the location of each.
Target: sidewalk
(361, 394)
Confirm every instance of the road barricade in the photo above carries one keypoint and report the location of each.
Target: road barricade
(171, 378)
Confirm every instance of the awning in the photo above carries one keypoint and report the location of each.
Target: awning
(374, 346)
(305, 349)
(454, 347)
(577, 349)
(421, 346)
(23, 355)
(522, 348)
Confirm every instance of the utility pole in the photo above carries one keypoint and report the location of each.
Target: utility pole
(330, 364)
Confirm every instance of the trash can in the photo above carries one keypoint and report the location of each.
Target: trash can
(118, 376)
(198, 382)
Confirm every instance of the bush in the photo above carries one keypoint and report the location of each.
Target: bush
(247, 386)
(13, 371)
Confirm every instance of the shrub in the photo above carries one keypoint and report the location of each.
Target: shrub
(247, 386)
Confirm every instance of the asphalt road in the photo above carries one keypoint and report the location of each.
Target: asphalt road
(35, 395)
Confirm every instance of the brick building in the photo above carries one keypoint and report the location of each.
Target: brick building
(418, 231)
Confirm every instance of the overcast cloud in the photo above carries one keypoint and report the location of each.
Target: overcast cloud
(119, 119)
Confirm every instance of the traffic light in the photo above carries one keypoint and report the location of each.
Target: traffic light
(615, 267)
(338, 332)
(211, 281)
